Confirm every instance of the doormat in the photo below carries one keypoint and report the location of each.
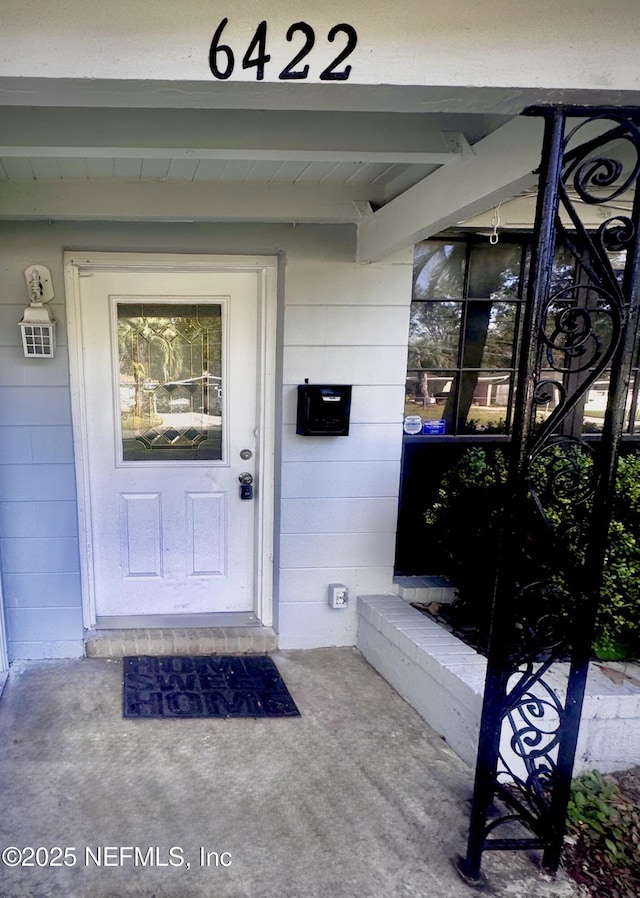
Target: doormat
(204, 686)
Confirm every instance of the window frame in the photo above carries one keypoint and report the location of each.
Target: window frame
(465, 433)
(467, 302)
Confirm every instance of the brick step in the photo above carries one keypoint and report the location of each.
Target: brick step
(425, 589)
(177, 641)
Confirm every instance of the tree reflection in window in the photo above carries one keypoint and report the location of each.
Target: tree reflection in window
(464, 318)
(468, 297)
(170, 381)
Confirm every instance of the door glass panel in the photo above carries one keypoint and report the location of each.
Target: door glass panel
(170, 385)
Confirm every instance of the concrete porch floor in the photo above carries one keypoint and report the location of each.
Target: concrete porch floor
(358, 797)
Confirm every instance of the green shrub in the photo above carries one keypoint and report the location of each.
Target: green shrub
(601, 815)
(465, 519)
(590, 810)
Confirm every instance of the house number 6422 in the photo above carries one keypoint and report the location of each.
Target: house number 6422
(222, 58)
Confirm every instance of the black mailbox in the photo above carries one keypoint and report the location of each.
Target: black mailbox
(323, 410)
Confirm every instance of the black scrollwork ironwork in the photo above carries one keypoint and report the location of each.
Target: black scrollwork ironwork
(560, 486)
(591, 174)
(616, 233)
(563, 469)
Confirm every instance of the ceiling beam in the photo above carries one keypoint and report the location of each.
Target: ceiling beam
(230, 133)
(237, 153)
(502, 165)
(123, 200)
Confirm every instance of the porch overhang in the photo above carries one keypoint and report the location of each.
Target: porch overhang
(225, 165)
(400, 163)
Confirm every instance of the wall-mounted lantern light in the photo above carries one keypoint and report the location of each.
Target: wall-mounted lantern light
(38, 326)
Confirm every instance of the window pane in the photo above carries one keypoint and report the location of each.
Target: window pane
(463, 327)
(489, 335)
(634, 404)
(438, 270)
(434, 334)
(467, 401)
(494, 271)
(618, 262)
(563, 271)
(596, 405)
(427, 392)
(484, 399)
(170, 381)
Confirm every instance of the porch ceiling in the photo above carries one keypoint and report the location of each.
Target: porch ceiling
(385, 153)
(399, 176)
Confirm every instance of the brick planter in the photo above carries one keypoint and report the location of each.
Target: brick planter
(443, 679)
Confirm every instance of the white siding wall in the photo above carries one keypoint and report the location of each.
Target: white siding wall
(38, 521)
(339, 322)
(343, 323)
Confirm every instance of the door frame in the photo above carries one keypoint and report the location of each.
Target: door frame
(77, 265)
(4, 643)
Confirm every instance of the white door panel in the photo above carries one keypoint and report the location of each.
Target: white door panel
(170, 364)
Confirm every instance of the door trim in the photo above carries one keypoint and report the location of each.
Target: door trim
(78, 265)
(4, 644)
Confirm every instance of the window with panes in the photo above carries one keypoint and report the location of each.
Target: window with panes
(466, 315)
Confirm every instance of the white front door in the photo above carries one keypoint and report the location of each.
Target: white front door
(170, 370)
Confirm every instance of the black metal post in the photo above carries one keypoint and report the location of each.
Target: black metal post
(548, 582)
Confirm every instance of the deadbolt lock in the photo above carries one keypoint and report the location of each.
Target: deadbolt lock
(246, 485)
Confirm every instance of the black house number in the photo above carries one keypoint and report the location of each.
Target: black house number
(222, 58)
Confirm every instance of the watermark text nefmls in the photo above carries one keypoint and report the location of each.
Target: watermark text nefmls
(151, 856)
(125, 855)
(112, 856)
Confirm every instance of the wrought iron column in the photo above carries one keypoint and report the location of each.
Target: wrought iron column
(560, 485)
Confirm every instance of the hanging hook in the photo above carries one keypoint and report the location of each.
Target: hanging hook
(495, 224)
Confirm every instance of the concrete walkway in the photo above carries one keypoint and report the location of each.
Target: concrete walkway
(358, 797)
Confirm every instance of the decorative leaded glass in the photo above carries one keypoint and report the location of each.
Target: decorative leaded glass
(170, 381)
